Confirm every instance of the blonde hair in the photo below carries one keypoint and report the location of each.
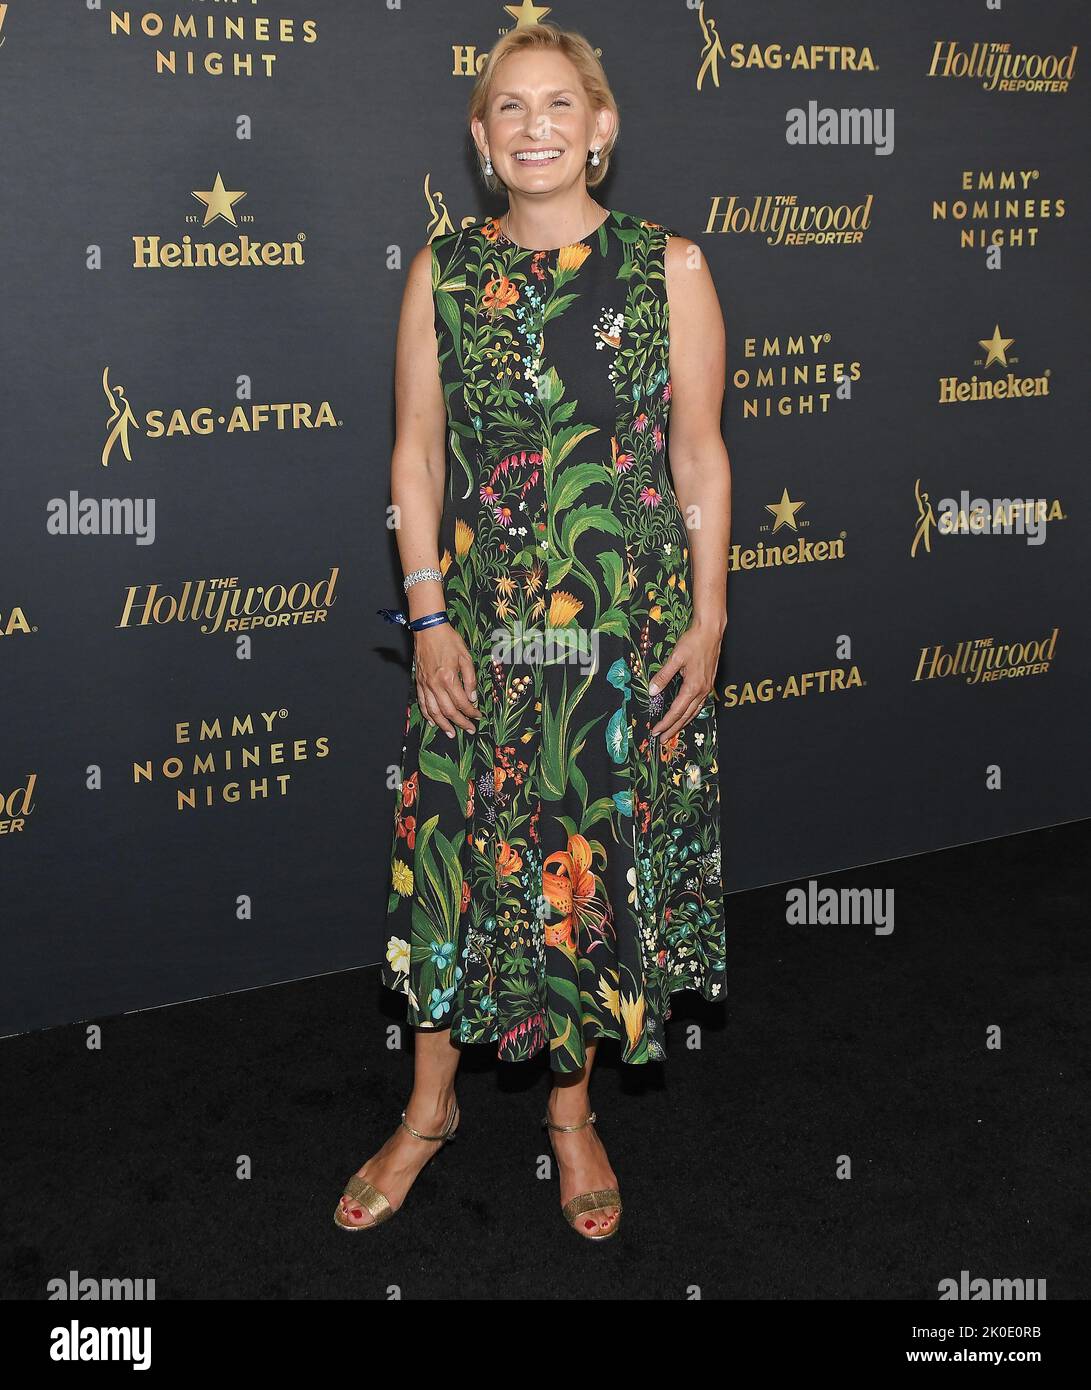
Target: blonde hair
(580, 54)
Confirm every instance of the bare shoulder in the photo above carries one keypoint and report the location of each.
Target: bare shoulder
(684, 262)
(417, 291)
(678, 244)
(420, 268)
(689, 283)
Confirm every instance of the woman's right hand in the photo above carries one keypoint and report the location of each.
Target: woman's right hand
(446, 679)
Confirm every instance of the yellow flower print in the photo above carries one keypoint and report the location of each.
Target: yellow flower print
(563, 607)
(572, 257)
(610, 997)
(464, 538)
(632, 1013)
(402, 878)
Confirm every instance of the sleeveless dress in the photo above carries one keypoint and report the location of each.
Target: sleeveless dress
(555, 875)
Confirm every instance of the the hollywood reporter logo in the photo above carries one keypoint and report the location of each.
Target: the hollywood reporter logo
(222, 605)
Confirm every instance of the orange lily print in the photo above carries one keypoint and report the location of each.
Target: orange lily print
(499, 294)
(508, 860)
(573, 890)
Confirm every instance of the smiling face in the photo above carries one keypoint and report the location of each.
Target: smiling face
(539, 124)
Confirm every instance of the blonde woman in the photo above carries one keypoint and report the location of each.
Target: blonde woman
(555, 873)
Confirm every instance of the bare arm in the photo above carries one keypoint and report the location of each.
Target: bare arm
(698, 455)
(418, 461)
(700, 468)
(446, 680)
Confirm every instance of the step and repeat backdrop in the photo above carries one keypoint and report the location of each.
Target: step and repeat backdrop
(208, 212)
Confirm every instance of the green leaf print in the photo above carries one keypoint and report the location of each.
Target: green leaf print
(615, 621)
(558, 750)
(562, 444)
(443, 290)
(575, 481)
(611, 565)
(582, 519)
(441, 768)
(438, 880)
(602, 809)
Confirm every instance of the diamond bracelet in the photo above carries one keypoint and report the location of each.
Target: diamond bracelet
(420, 574)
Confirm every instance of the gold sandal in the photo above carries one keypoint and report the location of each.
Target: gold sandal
(358, 1189)
(599, 1199)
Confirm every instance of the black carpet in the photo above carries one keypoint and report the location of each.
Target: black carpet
(835, 1044)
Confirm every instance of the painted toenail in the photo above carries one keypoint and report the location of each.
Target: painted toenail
(589, 1225)
(357, 1213)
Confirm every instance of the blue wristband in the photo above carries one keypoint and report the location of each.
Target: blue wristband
(429, 620)
(394, 615)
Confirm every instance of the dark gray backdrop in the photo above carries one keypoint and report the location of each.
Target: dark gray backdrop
(114, 899)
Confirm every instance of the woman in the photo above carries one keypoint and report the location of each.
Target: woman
(556, 858)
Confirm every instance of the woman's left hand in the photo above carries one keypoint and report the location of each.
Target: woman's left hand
(697, 652)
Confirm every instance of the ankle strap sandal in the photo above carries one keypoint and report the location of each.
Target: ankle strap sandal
(359, 1190)
(598, 1200)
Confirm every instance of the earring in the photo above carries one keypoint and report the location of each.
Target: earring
(595, 155)
(488, 166)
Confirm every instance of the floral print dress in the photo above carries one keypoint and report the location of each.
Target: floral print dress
(555, 875)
